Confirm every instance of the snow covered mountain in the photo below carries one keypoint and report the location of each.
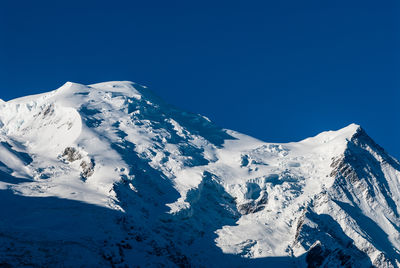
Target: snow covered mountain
(109, 175)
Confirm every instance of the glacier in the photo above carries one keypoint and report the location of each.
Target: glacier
(109, 175)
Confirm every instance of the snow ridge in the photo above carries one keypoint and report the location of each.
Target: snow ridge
(147, 184)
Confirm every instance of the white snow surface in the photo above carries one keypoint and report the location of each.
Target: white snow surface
(177, 179)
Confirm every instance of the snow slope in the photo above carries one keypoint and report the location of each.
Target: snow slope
(110, 175)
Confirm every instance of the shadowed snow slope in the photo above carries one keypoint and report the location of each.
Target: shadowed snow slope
(110, 175)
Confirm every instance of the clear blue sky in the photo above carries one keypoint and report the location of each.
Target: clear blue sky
(277, 70)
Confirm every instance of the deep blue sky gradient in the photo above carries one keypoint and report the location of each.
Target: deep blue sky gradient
(277, 70)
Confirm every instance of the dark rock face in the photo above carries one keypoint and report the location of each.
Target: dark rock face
(71, 154)
(316, 256)
(87, 169)
(254, 206)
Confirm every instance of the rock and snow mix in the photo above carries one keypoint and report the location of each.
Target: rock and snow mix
(109, 175)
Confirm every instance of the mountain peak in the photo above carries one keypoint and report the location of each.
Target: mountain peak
(332, 142)
(351, 128)
(123, 87)
(345, 133)
(114, 84)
